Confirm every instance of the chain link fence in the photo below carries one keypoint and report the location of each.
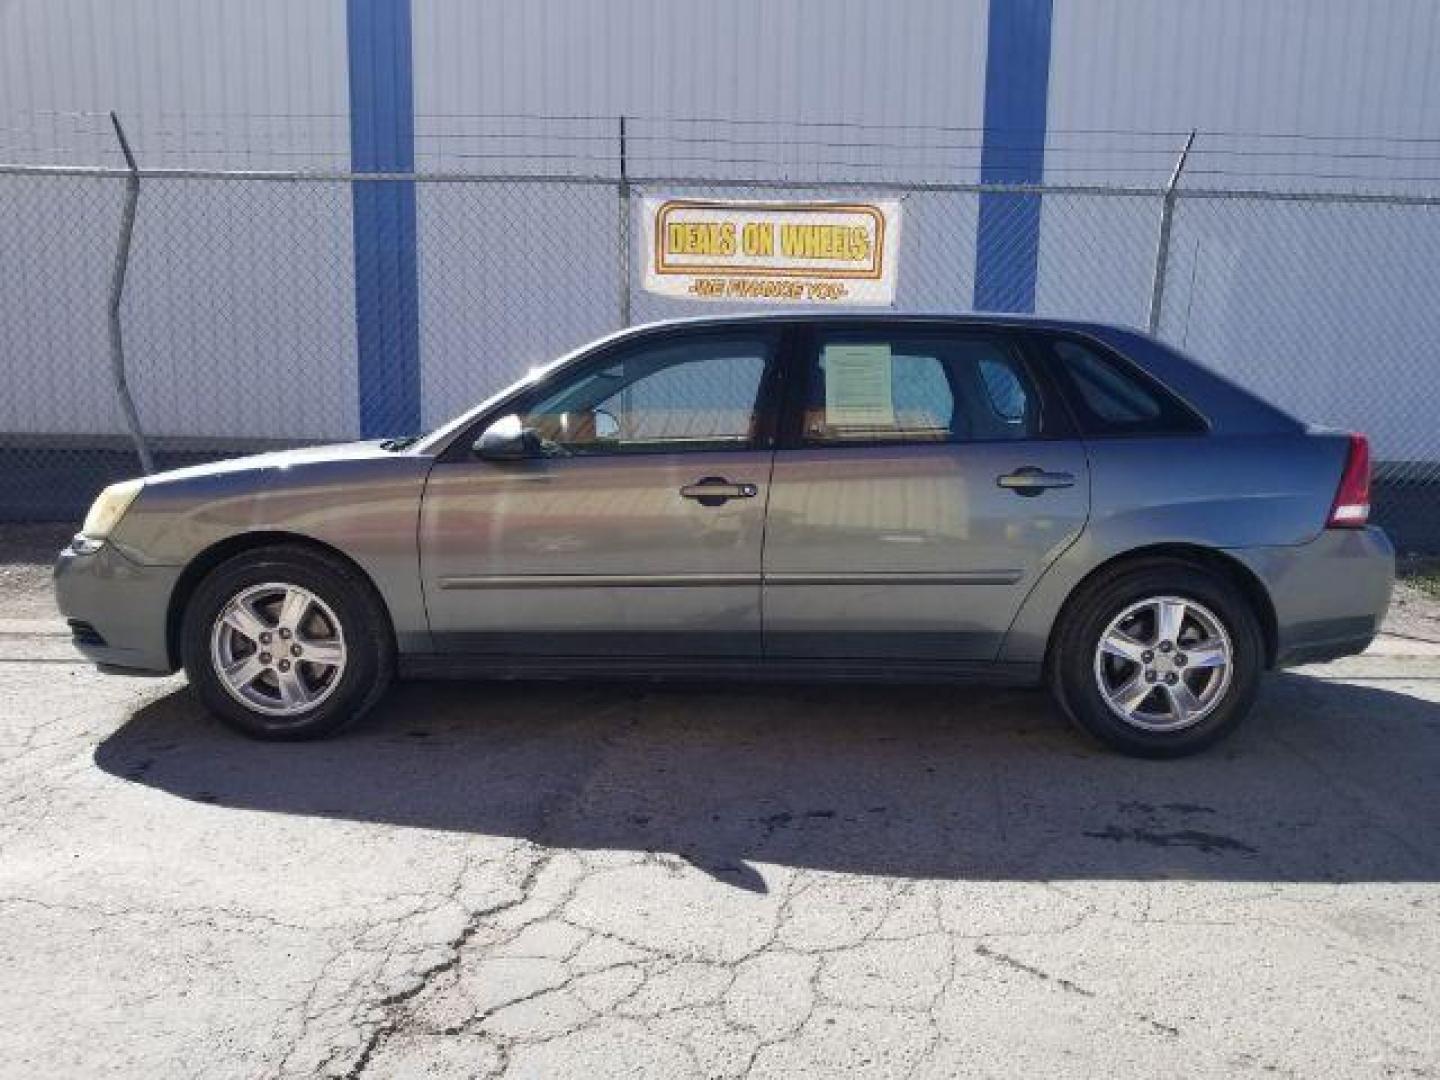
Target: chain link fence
(239, 303)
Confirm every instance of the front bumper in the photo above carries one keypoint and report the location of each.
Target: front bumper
(122, 605)
(1330, 595)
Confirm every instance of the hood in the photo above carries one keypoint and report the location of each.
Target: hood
(277, 460)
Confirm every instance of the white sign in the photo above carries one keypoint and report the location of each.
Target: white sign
(858, 386)
(772, 252)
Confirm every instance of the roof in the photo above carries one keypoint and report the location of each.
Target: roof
(886, 315)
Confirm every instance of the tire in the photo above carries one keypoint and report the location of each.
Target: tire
(296, 600)
(1126, 606)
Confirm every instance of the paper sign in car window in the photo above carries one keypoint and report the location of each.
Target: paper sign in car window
(858, 386)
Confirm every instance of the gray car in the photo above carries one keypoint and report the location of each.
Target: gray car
(895, 498)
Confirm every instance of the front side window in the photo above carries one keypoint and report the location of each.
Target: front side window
(921, 387)
(698, 394)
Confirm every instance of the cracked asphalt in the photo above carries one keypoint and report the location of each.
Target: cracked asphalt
(588, 881)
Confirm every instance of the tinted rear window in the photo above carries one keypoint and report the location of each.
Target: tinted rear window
(1110, 396)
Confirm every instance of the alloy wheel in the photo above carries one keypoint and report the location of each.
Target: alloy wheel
(1164, 663)
(278, 649)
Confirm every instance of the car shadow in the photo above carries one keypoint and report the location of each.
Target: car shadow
(1327, 782)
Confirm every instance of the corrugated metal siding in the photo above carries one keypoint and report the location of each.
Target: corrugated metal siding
(711, 89)
(1131, 75)
(1286, 299)
(749, 90)
(1317, 66)
(920, 62)
(201, 83)
(230, 286)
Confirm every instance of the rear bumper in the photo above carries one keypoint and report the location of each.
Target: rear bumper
(122, 606)
(1330, 595)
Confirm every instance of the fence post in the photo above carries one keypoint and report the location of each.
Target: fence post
(1162, 246)
(623, 188)
(117, 292)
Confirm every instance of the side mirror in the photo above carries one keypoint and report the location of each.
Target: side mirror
(606, 426)
(507, 439)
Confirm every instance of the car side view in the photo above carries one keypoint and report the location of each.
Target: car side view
(894, 498)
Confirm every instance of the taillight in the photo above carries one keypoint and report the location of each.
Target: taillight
(1352, 498)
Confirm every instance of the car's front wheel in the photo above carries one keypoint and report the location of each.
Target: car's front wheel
(1158, 659)
(286, 642)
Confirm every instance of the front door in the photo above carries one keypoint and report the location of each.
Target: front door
(918, 495)
(634, 529)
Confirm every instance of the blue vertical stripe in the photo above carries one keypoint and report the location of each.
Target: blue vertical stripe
(1017, 86)
(382, 139)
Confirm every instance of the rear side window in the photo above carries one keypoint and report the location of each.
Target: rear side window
(1110, 397)
(915, 387)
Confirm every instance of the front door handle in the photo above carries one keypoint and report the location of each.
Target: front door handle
(716, 491)
(1030, 480)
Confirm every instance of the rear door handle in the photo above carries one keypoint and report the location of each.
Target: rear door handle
(716, 491)
(1031, 480)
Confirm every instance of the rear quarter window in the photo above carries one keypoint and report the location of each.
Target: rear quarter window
(1111, 396)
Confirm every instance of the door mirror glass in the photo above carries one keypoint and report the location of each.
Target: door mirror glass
(507, 439)
(573, 431)
(606, 426)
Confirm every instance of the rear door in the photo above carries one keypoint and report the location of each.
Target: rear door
(925, 479)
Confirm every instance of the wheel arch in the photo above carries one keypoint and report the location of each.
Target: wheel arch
(207, 560)
(1213, 559)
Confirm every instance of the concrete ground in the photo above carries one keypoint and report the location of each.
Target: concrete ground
(598, 881)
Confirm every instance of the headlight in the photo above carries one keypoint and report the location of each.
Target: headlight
(109, 507)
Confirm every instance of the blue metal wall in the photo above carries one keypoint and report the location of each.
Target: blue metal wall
(382, 140)
(1017, 76)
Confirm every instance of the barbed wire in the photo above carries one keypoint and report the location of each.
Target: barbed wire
(762, 149)
(612, 118)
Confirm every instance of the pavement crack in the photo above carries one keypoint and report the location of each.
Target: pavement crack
(392, 1004)
(1019, 965)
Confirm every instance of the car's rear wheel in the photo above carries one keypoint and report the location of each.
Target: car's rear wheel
(1160, 658)
(286, 642)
